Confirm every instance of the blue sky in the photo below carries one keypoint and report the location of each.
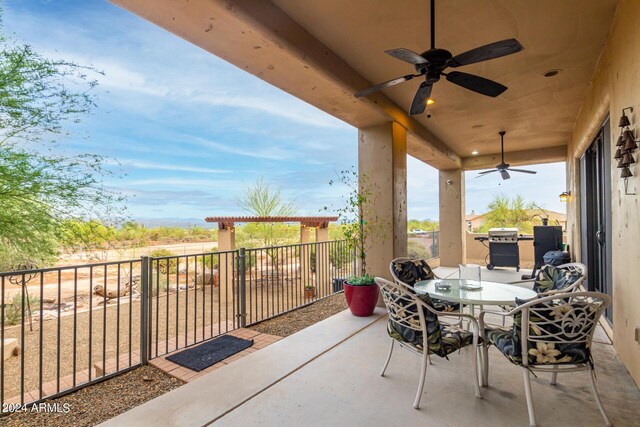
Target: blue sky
(191, 130)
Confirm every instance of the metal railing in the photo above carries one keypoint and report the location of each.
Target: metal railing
(73, 326)
(78, 325)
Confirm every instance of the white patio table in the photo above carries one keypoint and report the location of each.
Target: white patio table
(488, 293)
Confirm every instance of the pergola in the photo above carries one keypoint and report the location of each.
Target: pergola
(226, 227)
(227, 235)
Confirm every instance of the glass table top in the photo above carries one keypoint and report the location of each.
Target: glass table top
(474, 292)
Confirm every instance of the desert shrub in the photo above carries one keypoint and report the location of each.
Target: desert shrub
(339, 256)
(164, 265)
(13, 311)
(417, 250)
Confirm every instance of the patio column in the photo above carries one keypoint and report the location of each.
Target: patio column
(305, 253)
(382, 166)
(452, 230)
(226, 242)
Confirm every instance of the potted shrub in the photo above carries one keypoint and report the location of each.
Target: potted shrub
(362, 228)
(309, 291)
(361, 293)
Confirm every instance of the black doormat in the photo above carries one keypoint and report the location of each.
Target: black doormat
(201, 357)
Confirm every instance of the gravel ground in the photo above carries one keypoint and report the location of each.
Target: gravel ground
(100, 402)
(297, 320)
(108, 346)
(262, 301)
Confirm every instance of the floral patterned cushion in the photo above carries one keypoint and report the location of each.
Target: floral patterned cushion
(441, 340)
(415, 270)
(552, 278)
(545, 316)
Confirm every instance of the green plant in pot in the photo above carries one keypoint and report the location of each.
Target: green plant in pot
(362, 228)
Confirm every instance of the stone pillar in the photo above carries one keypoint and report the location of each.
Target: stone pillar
(452, 219)
(382, 166)
(226, 269)
(305, 254)
(323, 278)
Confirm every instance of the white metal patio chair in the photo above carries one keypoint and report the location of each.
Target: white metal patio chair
(551, 334)
(563, 278)
(413, 324)
(408, 271)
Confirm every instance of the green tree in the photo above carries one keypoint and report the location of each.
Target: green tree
(358, 204)
(40, 187)
(263, 200)
(505, 211)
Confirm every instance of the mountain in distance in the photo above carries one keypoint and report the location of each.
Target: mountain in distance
(175, 222)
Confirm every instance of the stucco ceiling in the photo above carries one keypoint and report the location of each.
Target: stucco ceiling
(536, 111)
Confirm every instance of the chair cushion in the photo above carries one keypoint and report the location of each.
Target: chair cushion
(552, 278)
(442, 305)
(414, 337)
(416, 270)
(454, 338)
(441, 340)
(451, 338)
(412, 271)
(508, 341)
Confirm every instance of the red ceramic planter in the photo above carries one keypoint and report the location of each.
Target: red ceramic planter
(361, 299)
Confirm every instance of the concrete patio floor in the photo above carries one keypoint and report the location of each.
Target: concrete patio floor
(328, 374)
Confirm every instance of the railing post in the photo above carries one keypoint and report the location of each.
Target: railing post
(144, 311)
(242, 287)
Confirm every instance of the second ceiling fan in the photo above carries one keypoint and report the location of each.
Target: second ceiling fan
(432, 63)
(503, 167)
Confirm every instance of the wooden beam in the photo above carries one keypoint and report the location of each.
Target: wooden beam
(261, 39)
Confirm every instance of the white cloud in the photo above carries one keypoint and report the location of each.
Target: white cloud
(163, 166)
(201, 184)
(270, 153)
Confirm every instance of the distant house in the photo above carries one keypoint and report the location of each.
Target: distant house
(475, 221)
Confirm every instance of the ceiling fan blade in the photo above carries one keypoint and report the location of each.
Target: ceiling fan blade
(406, 55)
(505, 174)
(476, 83)
(419, 103)
(486, 172)
(384, 85)
(486, 52)
(523, 171)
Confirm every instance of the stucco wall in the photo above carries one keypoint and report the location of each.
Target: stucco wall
(615, 85)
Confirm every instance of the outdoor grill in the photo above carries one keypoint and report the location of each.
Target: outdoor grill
(503, 235)
(503, 247)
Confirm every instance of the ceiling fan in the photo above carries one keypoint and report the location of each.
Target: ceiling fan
(432, 63)
(503, 167)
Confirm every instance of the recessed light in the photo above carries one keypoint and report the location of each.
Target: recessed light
(552, 73)
(431, 101)
(474, 152)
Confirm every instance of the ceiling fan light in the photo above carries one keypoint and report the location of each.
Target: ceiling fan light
(624, 121)
(625, 173)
